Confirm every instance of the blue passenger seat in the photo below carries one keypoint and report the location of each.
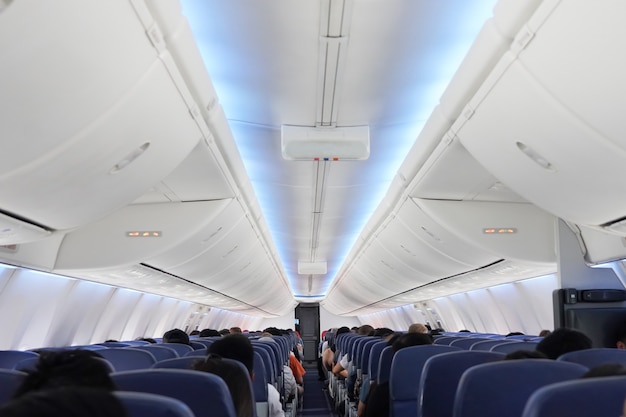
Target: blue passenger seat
(126, 359)
(180, 348)
(160, 352)
(595, 357)
(10, 358)
(186, 362)
(440, 379)
(502, 388)
(579, 398)
(206, 394)
(142, 404)
(405, 375)
(508, 347)
(10, 380)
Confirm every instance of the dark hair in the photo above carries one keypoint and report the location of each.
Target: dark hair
(411, 339)
(383, 332)
(65, 402)
(235, 346)
(146, 339)
(515, 334)
(235, 377)
(176, 336)
(525, 354)
(65, 368)
(563, 340)
(365, 330)
(209, 333)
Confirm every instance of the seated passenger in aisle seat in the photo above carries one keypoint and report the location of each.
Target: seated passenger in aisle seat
(67, 368)
(239, 348)
(292, 387)
(236, 380)
(418, 328)
(65, 402)
(209, 333)
(328, 356)
(563, 340)
(176, 336)
(378, 401)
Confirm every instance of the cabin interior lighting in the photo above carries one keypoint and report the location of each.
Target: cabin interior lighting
(130, 158)
(143, 233)
(499, 230)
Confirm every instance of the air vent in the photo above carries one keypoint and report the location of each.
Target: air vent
(14, 231)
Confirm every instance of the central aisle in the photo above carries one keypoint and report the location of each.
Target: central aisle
(315, 402)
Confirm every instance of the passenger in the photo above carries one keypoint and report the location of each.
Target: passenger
(67, 368)
(383, 333)
(328, 356)
(378, 401)
(525, 354)
(236, 380)
(514, 334)
(176, 336)
(563, 340)
(209, 333)
(239, 348)
(65, 402)
(292, 386)
(418, 328)
(234, 330)
(146, 339)
(544, 333)
(194, 333)
(224, 332)
(620, 336)
(608, 369)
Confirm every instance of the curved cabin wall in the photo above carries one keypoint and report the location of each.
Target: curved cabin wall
(39, 309)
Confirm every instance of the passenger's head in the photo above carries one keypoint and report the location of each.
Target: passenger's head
(65, 402)
(383, 332)
(411, 339)
(544, 333)
(418, 328)
(224, 332)
(563, 340)
(67, 368)
(236, 379)
(146, 339)
(525, 354)
(237, 347)
(515, 334)
(235, 329)
(209, 333)
(176, 336)
(194, 333)
(365, 330)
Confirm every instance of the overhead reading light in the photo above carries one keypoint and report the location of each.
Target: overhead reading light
(500, 230)
(325, 143)
(144, 233)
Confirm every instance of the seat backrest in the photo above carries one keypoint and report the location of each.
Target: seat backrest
(502, 388)
(487, 344)
(186, 362)
(406, 372)
(180, 348)
(446, 340)
(259, 385)
(10, 358)
(10, 380)
(509, 347)
(365, 355)
(113, 344)
(467, 342)
(205, 342)
(595, 357)
(142, 404)
(206, 394)
(384, 365)
(267, 359)
(160, 352)
(127, 359)
(579, 398)
(440, 378)
(197, 352)
(196, 346)
(374, 360)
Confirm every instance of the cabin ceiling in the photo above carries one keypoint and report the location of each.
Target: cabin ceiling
(165, 118)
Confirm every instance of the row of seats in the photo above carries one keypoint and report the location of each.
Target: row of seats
(137, 359)
(445, 380)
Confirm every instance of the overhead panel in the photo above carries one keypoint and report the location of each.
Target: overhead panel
(60, 171)
(560, 128)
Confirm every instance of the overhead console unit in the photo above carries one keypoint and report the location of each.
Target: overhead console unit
(325, 143)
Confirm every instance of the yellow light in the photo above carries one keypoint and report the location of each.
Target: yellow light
(500, 230)
(143, 234)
